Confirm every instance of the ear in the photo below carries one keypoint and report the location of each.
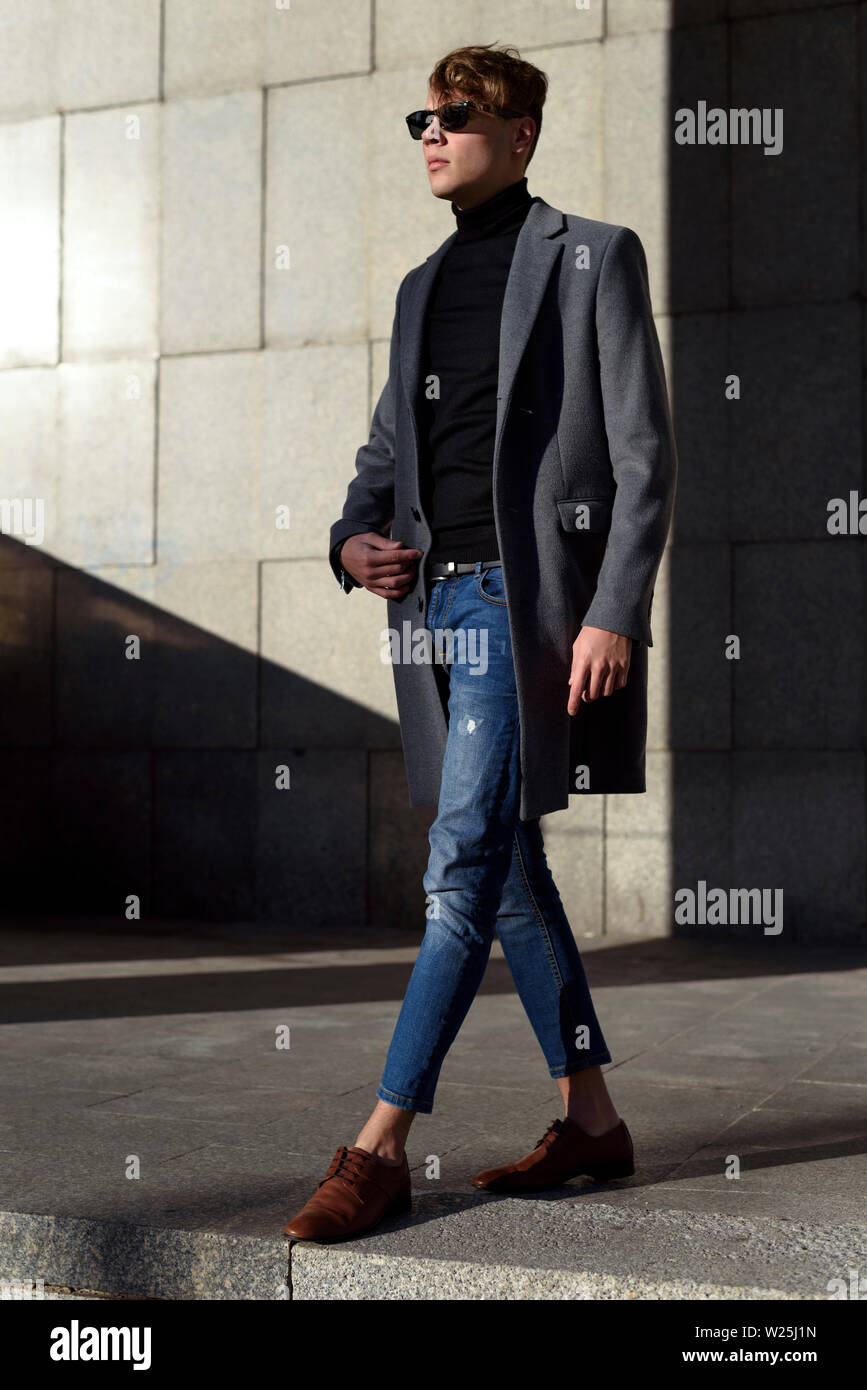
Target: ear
(525, 130)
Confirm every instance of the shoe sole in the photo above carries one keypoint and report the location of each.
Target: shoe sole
(398, 1207)
(600, 1172)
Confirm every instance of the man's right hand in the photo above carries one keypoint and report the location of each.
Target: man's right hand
(382, 566)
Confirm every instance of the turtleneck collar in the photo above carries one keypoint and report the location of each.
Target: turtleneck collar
(505, 210)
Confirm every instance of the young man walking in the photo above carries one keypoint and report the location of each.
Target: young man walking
(523, 459)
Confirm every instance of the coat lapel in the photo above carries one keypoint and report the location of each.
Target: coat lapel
(536, 250)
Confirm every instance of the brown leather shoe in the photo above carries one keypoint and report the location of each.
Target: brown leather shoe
(356, 1193)
(564, 1152)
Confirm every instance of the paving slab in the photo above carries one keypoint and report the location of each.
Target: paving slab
(718, 1052)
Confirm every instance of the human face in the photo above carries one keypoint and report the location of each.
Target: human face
(471, 165)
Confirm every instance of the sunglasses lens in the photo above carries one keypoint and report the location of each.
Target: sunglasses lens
(453, 117)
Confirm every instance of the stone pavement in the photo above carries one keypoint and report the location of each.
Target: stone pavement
(124, 1044)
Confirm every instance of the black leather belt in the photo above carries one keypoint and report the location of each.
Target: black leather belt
(444, 569)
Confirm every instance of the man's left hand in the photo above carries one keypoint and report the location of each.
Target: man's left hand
(600, 665)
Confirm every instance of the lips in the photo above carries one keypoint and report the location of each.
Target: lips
(432, 162)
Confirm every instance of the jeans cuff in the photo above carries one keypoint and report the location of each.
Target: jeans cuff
(423, 1107)
(598, 1061)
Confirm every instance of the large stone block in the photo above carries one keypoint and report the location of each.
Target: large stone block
(26, 830)
(30, 462)
(27, 74)
(323, 681)
(204, 834)
(574, 848)
(211, 223)
(104, 495)
(696, 179)
(111, 232)
(29, 241)
(638, 856)
(739, 9)
(785, 246)
(566, 169)
(696, 593)
(97, 845)
(398, 845)
(796, 431)
(26, 638)
(798, 825)
(700, 829)
(637, 148)
(315, 40)
(799, 683)
(698, 348)
(862, 173)
(211, 413)
(317, 415)
(104, 498)
(69, 54)
(315, 227)
(251, 440)
(635, 16)
(206, 625)
(103, 692)
(104, 55)
(313, 837)
(400, 40)
(195, 684)
(242, 43)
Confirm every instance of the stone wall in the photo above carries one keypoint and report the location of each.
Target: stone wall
(205, 212)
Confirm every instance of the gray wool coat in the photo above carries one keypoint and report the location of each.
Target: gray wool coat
(584, 474)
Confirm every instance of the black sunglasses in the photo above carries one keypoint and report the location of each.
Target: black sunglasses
(452, 116)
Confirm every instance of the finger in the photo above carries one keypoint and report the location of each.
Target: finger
(611, 683)
(384, 574)
(597, 678)
(388, 590)
(579, 681)
(382, 559)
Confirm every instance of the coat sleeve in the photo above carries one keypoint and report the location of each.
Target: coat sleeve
(641, 443)
(369, 502)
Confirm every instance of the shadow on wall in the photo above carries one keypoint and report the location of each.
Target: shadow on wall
(765, 266)
(158, 776)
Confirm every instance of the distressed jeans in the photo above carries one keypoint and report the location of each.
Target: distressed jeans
(487, 869)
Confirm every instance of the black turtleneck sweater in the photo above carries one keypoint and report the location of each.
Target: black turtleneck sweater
(461, 349)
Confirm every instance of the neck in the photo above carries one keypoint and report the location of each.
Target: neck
(496, 215)
(473, 199)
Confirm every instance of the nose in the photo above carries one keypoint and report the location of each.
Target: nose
(432, 132)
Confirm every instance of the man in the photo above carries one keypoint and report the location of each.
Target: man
(522, 456)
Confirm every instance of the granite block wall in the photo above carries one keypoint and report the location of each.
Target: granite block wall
(205, 212)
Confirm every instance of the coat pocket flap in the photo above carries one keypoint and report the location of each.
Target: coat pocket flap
(584, 513)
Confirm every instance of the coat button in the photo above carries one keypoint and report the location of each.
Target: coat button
(416, 514)
(420, 605)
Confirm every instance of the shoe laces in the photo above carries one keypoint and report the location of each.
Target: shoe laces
(556, 1127)
(345, 1165)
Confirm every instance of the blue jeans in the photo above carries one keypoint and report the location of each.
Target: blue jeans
(487, 869)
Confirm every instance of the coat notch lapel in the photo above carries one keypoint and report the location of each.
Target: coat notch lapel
(536, 250)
